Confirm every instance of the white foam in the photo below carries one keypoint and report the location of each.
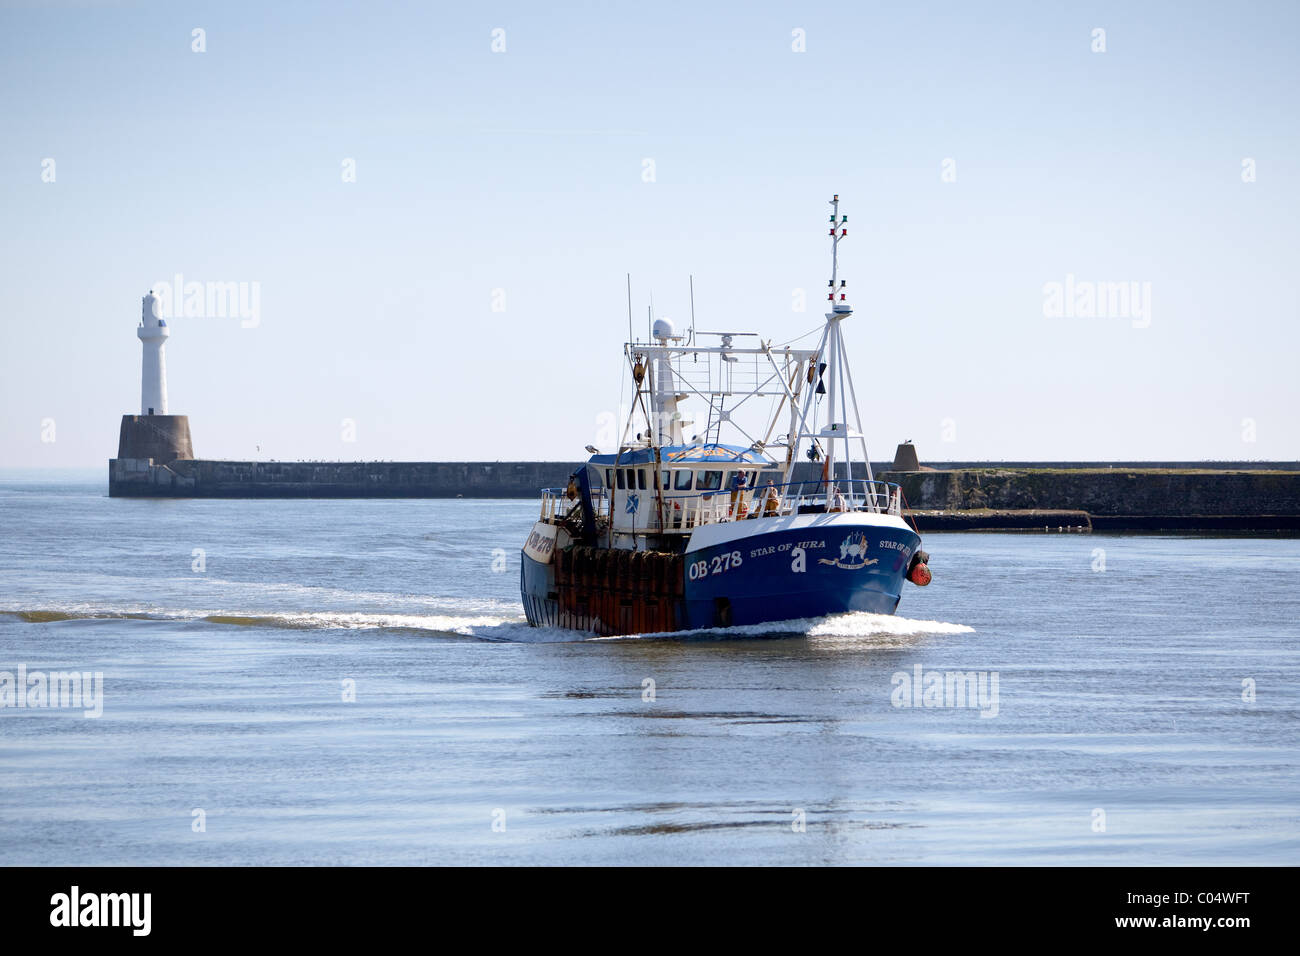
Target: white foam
(465, 625)
(854, 626)
(862, 624)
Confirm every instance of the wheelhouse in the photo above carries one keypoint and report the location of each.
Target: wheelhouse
(649, 489)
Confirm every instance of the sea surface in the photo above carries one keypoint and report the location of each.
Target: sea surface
(352, 682)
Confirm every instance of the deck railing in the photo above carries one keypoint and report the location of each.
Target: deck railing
(556, 503)
(682, 512)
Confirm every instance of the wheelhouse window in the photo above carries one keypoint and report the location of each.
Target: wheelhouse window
(640, 478)
(682, 480)
(709, 481)
(622, 483)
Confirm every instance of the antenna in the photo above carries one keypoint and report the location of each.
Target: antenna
(692, 339)
(629, 307)
(838, 231)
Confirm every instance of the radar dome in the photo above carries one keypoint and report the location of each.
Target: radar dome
(663, 329)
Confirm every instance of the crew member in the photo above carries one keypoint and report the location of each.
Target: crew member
(738, 483)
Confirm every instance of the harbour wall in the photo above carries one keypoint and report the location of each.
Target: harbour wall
(200, 478)
(1187, 496)
(1104, 492)
(1172, 488)
(1111, 499)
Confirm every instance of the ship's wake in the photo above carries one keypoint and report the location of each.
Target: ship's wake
(502, 623)
(443, 623)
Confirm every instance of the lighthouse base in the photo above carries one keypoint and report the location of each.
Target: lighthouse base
(164, 438)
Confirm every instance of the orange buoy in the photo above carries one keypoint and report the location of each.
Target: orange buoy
(920, 575)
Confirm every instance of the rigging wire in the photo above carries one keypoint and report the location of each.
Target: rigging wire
(798, 338)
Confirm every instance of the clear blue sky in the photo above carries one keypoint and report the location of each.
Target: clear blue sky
(522, 171)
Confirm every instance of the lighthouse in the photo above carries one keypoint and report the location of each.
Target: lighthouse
(153, 334)
(151, 445)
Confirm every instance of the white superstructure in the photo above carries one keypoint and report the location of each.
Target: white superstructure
(153, 333)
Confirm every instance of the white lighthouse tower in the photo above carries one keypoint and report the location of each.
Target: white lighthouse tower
(153, 370)
(150, 444)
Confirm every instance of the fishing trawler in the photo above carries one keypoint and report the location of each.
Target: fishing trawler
(670, 534)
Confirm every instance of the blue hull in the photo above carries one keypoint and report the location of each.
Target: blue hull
(741, 573)
(797, 573)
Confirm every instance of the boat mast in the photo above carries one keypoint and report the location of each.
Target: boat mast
(839, 308)
(838, 378)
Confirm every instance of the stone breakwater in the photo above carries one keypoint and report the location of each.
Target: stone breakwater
(1115, 498)
(997, 498)
(200, 478)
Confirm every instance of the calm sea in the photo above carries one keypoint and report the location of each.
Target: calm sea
(325, 682)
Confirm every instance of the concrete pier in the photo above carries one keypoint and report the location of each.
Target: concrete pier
(1117, 498)
(196, 478)
(969, 499)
